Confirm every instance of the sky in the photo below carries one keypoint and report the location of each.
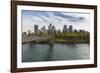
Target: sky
(56, 18)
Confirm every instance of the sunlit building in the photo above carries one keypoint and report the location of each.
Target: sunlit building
(29, 32)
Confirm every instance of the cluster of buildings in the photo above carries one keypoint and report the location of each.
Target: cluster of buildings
(52, 28)
(65, 29)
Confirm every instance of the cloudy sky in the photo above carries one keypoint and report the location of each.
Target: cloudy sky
(58, 19)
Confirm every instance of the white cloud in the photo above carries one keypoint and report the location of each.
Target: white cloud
(42, 20)
(35, 18)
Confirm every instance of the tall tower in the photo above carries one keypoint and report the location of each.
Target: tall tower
(53, 29)
(65, 29)
(35, 28)
(50, 28)
(43, 28)
(70, 28)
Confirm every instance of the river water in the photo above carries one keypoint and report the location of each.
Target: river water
(54, 52)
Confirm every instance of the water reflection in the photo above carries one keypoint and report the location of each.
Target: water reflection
(49, 52)
(54, 52)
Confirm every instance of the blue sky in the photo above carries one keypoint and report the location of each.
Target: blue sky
(58, 19)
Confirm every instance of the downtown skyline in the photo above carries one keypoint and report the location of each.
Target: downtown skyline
(58, 19)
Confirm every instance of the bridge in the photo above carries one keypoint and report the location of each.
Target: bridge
(35, 38)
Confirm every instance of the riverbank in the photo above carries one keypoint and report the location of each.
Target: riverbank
(64, 38)
(61, 42)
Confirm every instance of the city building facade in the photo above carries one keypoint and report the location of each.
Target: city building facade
(36, 28)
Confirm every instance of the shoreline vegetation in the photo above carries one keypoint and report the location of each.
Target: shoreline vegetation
(62, 38)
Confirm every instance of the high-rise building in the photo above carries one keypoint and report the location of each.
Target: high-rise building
(44, 28)
(35, 28)
(70, 28)
(53, 29)
(50, 28)
(65, 29)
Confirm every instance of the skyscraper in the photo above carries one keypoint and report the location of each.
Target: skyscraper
(65, 29)
(70, 28)
(35, 28)
(53, 29)
(43, 29)
(50, 28)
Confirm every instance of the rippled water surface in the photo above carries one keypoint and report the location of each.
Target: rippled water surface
(54, 52)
